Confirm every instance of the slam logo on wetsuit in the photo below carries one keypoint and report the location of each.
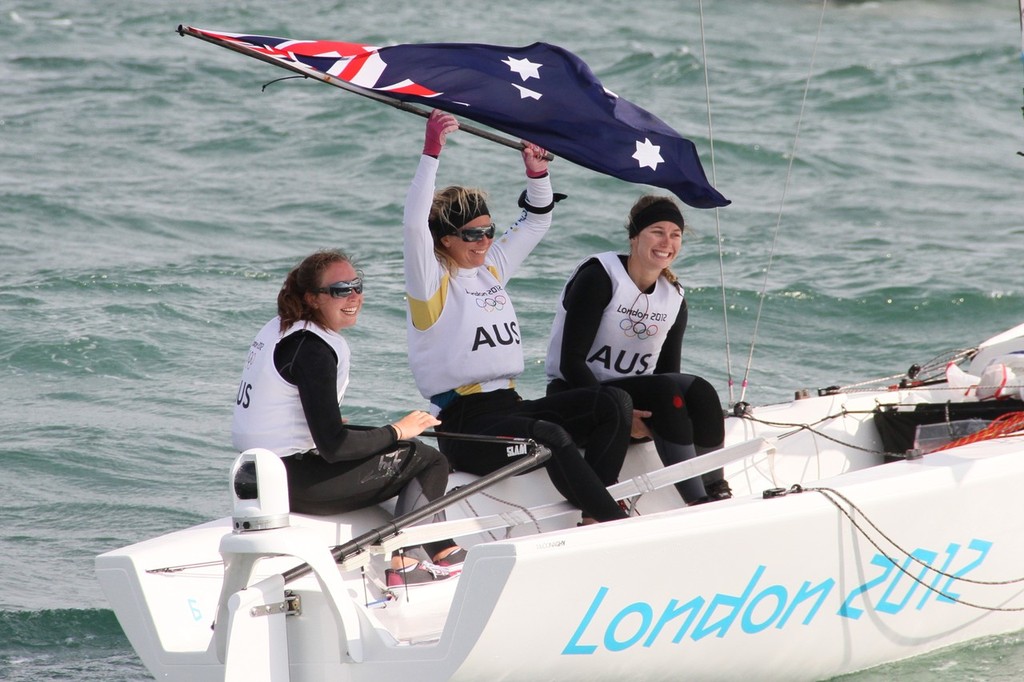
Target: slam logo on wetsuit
(516, 450)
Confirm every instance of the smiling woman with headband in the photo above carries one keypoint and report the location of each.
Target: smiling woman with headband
(620, 322)
(464, 337)
(289, 399)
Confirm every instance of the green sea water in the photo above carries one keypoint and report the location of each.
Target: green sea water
(152, 198)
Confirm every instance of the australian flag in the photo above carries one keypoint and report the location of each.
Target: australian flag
(540, 92)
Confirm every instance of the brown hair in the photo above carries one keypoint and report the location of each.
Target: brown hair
(660, 208)
(303, 279)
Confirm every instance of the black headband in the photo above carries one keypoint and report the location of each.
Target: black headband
(655, 213)
(457, 215)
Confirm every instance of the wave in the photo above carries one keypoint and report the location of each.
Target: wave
(86, 645)
(22, 631)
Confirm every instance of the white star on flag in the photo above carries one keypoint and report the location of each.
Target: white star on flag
(648, 154)
(525, 93)
(524, 67)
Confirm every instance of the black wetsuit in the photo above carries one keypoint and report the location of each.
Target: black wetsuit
(350, 468)
(593, 417)
(685, 408)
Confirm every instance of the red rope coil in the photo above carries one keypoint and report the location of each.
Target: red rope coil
(1003, 425)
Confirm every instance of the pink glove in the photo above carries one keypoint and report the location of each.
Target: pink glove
(439, 125)
(535, 159)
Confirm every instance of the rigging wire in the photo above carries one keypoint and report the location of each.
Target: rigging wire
(1022, 51)
(782, 202)
(718, 221)
(832, 495)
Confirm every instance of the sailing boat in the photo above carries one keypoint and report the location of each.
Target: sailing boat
(842, 532)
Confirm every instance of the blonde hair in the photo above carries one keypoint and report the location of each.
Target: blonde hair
(452, 208)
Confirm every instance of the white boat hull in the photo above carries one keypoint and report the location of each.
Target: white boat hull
(806, 585)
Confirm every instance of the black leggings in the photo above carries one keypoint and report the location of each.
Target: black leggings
(684, 407)
(595, 418)
(414, 471)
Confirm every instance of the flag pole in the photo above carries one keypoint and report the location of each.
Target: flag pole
(338, 83)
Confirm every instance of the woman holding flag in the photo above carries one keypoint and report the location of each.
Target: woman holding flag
(464, 338)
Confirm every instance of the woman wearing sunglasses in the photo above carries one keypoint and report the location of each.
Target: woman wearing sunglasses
(620, 322)
(464, 338)
(288, 401)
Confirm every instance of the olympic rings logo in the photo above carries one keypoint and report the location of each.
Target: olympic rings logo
(631, 328)
(491, 304)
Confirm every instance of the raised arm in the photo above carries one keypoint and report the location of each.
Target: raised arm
(537, 202)
(423, 272)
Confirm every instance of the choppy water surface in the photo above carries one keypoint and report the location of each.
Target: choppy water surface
(152, 199)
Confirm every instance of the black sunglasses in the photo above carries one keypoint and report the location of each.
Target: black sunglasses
(342, 289)
(475, 234)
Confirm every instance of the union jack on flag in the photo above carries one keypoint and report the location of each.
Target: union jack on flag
(540, 92)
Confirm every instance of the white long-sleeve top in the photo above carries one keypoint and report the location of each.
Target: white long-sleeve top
(462, 329)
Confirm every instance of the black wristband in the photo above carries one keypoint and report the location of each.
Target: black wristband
(556, 197)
